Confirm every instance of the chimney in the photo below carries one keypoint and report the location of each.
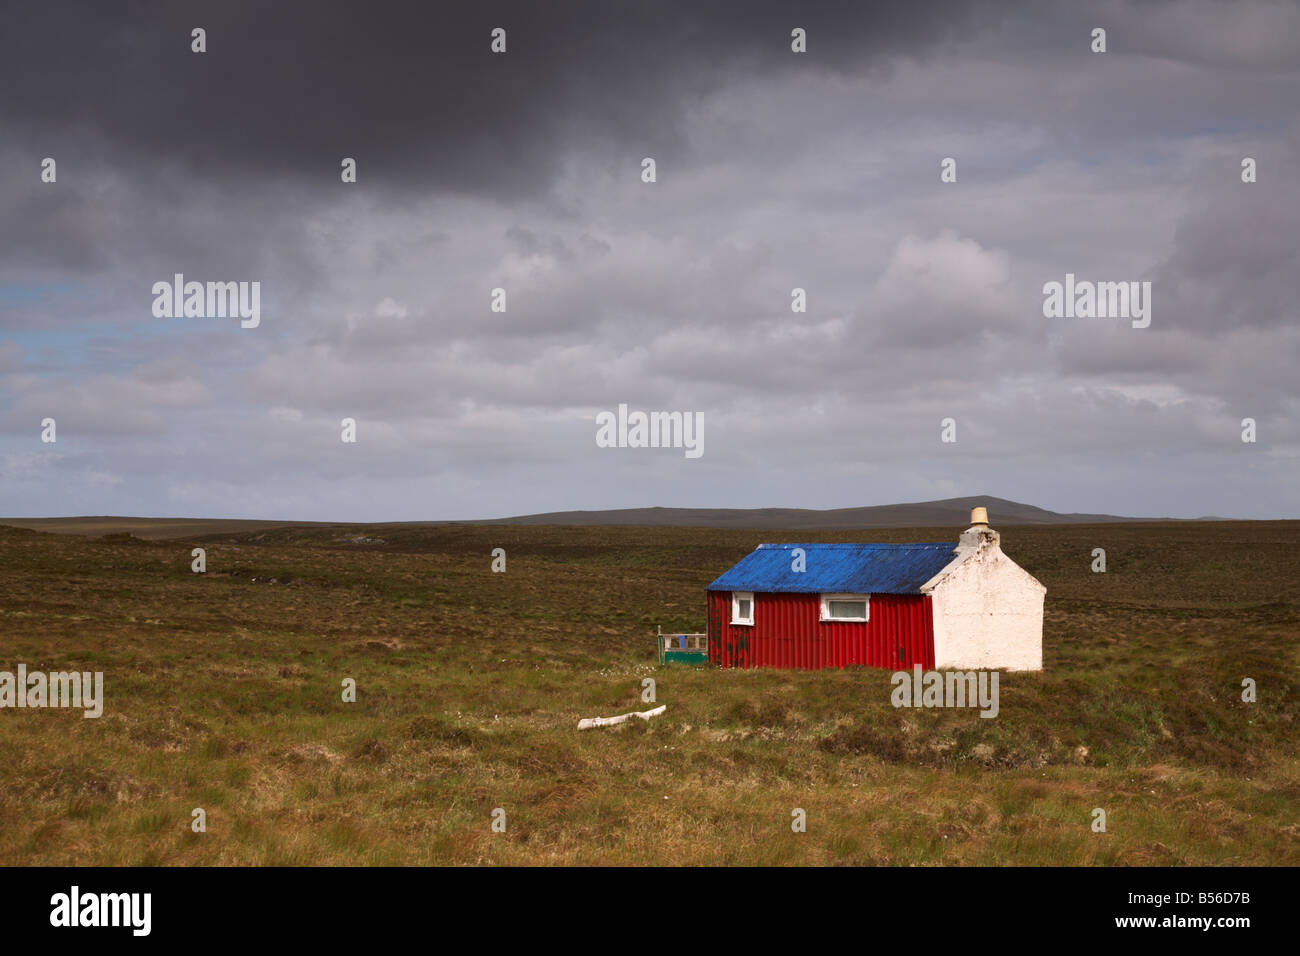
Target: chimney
(979, 534)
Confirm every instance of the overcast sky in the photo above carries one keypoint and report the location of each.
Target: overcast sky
(523, 170)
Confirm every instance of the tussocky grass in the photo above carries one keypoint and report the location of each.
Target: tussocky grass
(223, 691)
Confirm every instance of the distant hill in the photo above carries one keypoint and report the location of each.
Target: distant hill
(948, 512)
(920, 514)
(150, 528)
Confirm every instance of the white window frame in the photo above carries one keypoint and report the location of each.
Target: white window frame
(736, 598)
(826, 611)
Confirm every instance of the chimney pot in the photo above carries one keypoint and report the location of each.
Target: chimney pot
(979, 534)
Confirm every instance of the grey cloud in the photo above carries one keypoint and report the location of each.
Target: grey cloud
(411, 88)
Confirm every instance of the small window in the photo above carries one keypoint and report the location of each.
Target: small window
(742, 607)
(845, 607)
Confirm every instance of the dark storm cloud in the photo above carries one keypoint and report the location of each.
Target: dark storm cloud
(412, 89)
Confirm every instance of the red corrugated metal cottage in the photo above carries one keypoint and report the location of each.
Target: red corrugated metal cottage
(879, 605)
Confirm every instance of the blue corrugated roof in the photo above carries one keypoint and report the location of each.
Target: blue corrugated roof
(845, 568)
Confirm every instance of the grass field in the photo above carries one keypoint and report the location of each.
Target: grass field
(224, 692)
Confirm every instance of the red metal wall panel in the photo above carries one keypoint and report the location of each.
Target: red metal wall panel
(787, 632)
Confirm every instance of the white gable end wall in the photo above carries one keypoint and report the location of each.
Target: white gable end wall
(988, 614)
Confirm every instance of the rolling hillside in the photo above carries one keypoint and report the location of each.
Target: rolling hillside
(948, 512)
